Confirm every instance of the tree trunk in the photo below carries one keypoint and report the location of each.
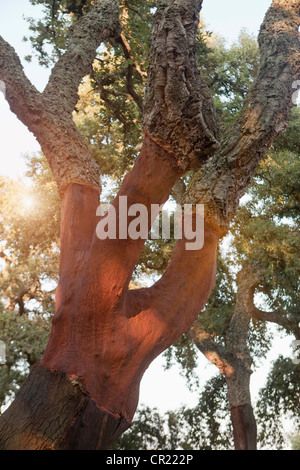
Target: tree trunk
(52, 412)
(244, 427)
(103, 335)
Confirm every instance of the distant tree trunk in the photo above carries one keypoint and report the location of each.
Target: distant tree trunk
(233, 359)
(234, 362)
(244, 428)
(238, 381)
(84, 392)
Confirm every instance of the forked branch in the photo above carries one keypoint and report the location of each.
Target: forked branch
(225, 177)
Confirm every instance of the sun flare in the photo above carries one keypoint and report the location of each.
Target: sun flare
(29, 202)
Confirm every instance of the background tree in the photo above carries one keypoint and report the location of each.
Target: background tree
(101, 377)
(29, 225)
(204, 427)
(231, 331)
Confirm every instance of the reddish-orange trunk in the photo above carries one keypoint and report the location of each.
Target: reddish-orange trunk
(103, 335)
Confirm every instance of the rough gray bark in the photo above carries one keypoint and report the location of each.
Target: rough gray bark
(225, 177)
(68, 417)
(178, 112)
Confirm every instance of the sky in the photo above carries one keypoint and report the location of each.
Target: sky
(162, 389)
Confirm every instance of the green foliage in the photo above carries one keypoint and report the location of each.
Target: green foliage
(146, 433)
(228, 71)
(205, 427)
(25, 340)
(111, 127)
(288, 140)
(279, 400)
(267, 231)
(109, 114)
(219, 308)
(209, 422)
(185, 354)
(49, 34)
(29, 251)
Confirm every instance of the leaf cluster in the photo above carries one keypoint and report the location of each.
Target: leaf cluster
(29, 250)
(279, 400)
(205, 427)
(25, 340)
(29, 230)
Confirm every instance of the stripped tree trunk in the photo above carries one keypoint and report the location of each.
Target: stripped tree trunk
(84, 392)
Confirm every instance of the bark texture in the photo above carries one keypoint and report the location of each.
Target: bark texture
(48, 115)
(244, 427)
(67, 417)
(225, 177)
(178, 111)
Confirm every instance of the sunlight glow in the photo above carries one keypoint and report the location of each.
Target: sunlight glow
(29, 202)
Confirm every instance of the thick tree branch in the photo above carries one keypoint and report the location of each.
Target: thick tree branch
(67, 153)
(177, 107)
(48, 115)
(225, 177)
(21, 95)
(100, 24)
(279, 316)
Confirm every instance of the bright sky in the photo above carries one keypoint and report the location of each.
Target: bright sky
(165, 390)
